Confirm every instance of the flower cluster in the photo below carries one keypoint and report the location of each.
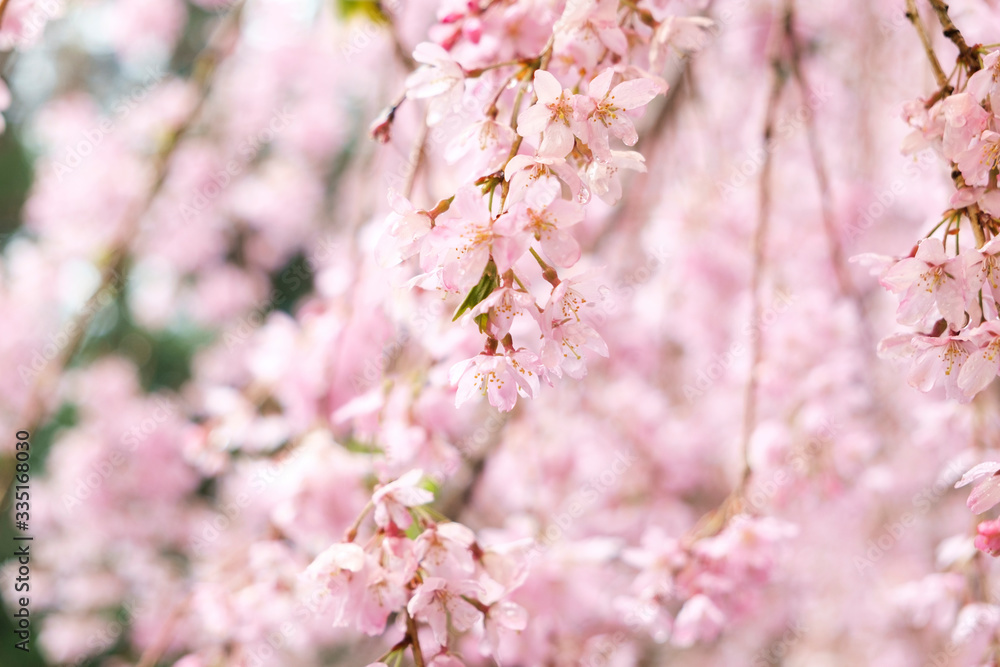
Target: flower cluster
(708, 582)
(423, 570)
(949, 292)
(530, 167)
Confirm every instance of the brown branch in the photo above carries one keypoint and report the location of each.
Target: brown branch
(965, 53)
(411, 631)
(778, 81)
(925, 39)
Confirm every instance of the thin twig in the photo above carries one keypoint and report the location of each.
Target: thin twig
(925, 39)
(965, 53)
(779, 79)
(411, 630)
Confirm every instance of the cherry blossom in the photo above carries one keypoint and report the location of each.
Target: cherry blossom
(550, 116)
(441, 603)
(501, 377)
(928, 279)
(439, 78)
(393, 500)
(986, 493)
(607, 107)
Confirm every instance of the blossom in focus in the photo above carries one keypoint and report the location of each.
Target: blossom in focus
(550, 116)
(928, 279)
(501, 377)
(393, 500)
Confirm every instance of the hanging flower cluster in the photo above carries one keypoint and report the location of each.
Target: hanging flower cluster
(949, 288)
(423, 570)
(551, 124)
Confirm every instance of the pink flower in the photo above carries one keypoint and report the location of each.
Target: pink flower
(939, 361)
(445, 660)
(491, 142)
(523, 171)
(683, 33)
(928, 279)
(500, 377)
(545, 217)
(698, 620)
(550, 117)
(983, 267)
(964, 120)
(502, 617)
(588, 27)
(988, 537)
(503, 305)
(436, 601)
(986, 82)
(462, 242)
(602, 111)
(983, 364)
(384, 594)
(566, 336)
(393, 500)
(444, 550)
(363, 592)
(440, 78)
(978, 160)
(986, 494)
(406, 227)
(337, 569)
(986, 198)
(602, 175)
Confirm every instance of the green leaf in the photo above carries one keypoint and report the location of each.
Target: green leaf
(367, 8)
(483, 289)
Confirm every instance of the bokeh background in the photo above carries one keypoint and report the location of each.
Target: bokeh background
(240, 338)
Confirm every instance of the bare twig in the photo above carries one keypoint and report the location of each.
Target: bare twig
(925, 39)
(965, 53)
(778, 81)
